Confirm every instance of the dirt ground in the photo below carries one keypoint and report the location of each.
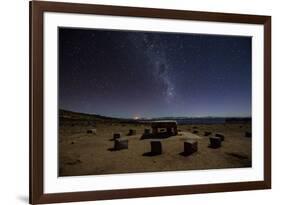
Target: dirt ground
(82, 153)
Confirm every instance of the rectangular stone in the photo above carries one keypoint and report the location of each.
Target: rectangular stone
(215, 142)
(121, 144)
(156, 147)
(190, 146)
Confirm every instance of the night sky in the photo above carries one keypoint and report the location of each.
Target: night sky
(132, 74)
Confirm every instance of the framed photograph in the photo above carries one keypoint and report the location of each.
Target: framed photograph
(139, 102)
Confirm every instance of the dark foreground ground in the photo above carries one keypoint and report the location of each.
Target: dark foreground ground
(82, 153)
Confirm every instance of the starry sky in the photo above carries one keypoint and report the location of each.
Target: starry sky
(135, 74)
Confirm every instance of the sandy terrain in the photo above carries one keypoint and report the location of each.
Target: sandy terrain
(82, 153)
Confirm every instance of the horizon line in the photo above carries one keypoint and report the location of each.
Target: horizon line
(147, 118)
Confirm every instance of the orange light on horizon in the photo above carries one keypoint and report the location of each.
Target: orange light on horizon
(136, 117)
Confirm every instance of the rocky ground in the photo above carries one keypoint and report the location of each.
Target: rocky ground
(82, 153)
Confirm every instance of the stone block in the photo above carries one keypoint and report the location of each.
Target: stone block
(156, 147)
(190, 146)
(215, 142)
(120, 144)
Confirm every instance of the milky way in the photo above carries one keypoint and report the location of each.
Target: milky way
(152, 74)
(155, 53)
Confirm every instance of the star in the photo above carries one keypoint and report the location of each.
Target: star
(158, 74)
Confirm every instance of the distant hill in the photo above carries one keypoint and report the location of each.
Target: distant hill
(66, 117)
(82, 116)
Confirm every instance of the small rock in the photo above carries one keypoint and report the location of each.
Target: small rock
(132, 132)
(116, 135)
(92, 131)
(207, 133)
(248, 134)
